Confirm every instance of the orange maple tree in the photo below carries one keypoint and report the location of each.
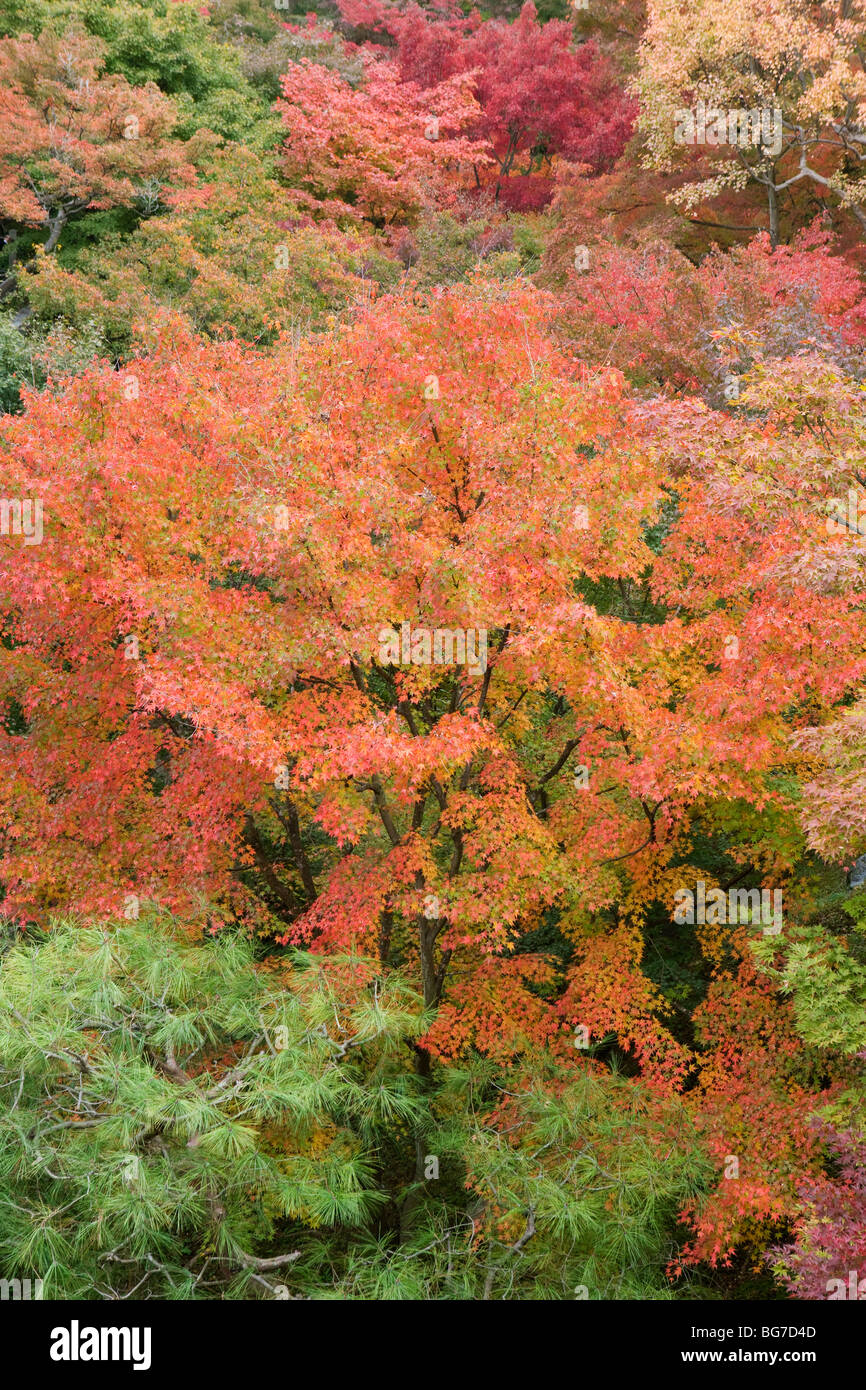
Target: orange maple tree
(71, 139)
(382, 151)
(406, 638)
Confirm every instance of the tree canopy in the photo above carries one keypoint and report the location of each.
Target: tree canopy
(432, 559)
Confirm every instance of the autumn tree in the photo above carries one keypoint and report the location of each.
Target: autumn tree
(75, 140)
(801, 67)
(828, 1257)
(415, 639)
(540, 96)
(674, 325)
(381, 151)
(236, 254)
(180, 46)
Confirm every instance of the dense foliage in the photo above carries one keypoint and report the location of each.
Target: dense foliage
(432, 582)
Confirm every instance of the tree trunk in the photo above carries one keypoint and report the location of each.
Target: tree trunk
(56, 226)
(773, 203)
(432, 980)
(8, 284)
